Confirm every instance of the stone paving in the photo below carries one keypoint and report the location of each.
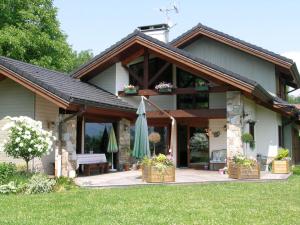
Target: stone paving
(183, 176)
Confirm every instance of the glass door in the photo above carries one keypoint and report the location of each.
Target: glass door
(198, 148)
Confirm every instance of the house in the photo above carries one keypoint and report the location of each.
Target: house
(243, 89)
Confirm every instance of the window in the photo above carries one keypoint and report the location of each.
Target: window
(160, 147)
(251, 129)
(155, 65)
(280, 136)
(96, 137)
(188, 101)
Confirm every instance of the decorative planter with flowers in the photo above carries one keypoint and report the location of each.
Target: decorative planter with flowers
(130, 89)
(282, 162)
(239, 167)
(158, 169)
(201, 85)
(163, 87)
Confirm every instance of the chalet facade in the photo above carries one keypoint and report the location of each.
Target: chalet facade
(243, 90)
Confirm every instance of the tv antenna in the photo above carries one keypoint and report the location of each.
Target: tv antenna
(173, 7)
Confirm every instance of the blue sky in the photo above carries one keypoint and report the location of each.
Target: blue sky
(97, 24)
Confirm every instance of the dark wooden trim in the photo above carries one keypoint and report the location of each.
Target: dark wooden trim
(111, 113)
(176, 91)
(190, 114)
(146, 70)
(133, 74)
(2, 77)
(232, 43)
(159, 72)
(133, 56)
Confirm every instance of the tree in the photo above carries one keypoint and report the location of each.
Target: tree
(30, 32)
(27, 139)
(294, 99)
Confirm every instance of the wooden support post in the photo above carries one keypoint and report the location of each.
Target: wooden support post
(160, 71)
(146, 70)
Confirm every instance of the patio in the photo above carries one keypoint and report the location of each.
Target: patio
(183, 176)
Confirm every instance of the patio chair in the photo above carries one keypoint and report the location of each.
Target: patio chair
(218, 159)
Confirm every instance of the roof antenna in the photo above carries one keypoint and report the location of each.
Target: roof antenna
(173, 7)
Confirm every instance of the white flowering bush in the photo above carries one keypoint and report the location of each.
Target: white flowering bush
(27, 139)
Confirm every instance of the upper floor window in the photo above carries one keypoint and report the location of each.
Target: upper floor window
(155, 65)
(190, 101)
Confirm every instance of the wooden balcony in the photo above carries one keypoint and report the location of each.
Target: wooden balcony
(177, 91)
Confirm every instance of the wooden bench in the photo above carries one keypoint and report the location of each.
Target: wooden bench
(92, 162)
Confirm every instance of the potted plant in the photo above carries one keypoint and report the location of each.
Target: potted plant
(201, 85)
(163, 87)
(248, 139)
(158, 169)
(127, 165)
(239, 167)
(130, 89)
(154, 138)
(281, 163)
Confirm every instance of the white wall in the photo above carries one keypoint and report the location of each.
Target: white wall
(217, 100)
(47, 113)
(217, 143)
(15, 100)
(265, 129)
(106, 79)
(236, 61)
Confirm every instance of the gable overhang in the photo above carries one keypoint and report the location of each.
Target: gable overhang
(60, 102)
(193, 35)
(73, 104)
(136, 45)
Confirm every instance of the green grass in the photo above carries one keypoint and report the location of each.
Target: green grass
(223, 203)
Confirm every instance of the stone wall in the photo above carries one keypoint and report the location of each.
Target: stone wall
(68, 147)
(234, 109)
(124, 141)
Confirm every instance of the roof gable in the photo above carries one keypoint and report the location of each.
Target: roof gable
(200, 29)
(61, 87)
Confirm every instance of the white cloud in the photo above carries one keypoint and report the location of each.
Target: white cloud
(295, 56)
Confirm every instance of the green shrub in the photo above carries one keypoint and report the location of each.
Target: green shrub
(64, 183)
(296, 170)
(11, 187)
(39, 183)
(7, 170)
(282, 154)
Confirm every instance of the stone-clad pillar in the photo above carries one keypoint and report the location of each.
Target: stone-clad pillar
(124, 141)
(68, 147)
(234, 107)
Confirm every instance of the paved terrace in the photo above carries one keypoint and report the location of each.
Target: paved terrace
(183, 176)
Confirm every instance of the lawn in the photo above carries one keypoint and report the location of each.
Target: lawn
(225, 203)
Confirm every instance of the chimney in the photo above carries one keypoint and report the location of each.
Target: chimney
(158, 31)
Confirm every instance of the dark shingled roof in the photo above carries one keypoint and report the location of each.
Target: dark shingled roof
(201, 26)
(186, 54)
(60, 84)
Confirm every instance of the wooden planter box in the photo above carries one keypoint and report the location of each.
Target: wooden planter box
(151, 174)
(131, 91)
(281, 166)
(243, 172)
(165, 90)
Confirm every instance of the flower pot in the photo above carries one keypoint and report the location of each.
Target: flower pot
(152, 174)
(131, 91)
(126, 167)
(281, 166)
(165, 90)
(201, 88)
(236, 171)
